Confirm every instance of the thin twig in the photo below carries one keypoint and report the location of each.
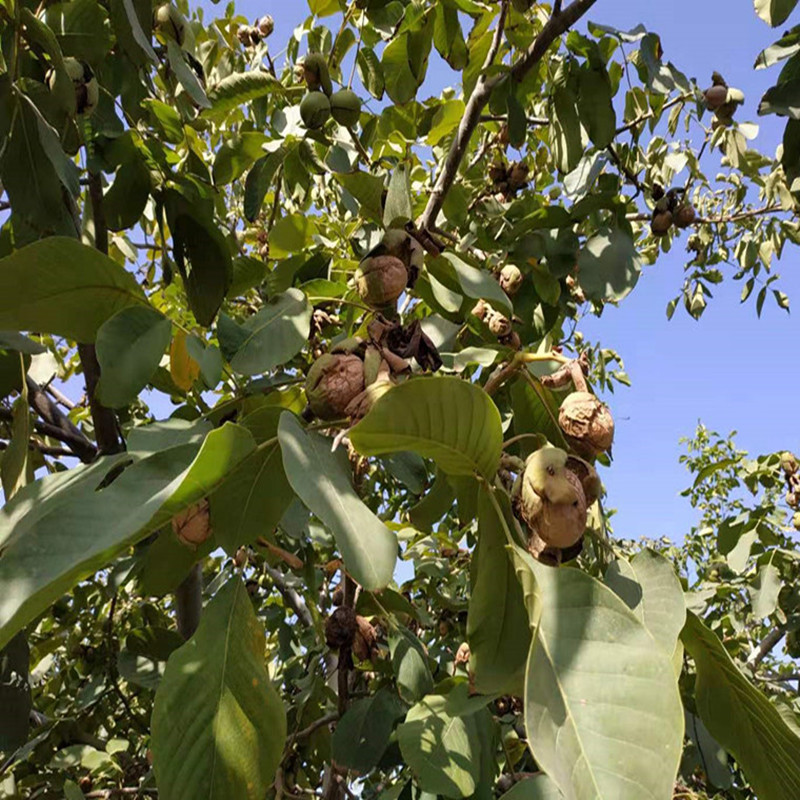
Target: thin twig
(634, 123)
(292, 598)
(629, 174)
(59, 397)
(483, 89)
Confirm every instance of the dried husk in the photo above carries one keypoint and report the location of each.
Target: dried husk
(587, 424)
(333, 381)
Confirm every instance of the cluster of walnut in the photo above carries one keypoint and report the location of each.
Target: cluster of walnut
(510, 279)
(555, 489)
(320, 102)
(669, 210)
(252, 35)
(508, 179)
(346, 381)
(722, 100)
(791, 471)
(349, 632)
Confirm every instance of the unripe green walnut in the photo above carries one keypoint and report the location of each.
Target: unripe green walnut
(87, 90)
(380, 280)
(346, 107)
(168, 23)
(333, 381)
(315, 110)
(587, 424)
(316, 74)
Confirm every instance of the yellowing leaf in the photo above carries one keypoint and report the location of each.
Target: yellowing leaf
(182, 367)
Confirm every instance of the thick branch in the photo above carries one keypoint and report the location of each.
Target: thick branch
(558, 24)
(105, 423)
(768, 644)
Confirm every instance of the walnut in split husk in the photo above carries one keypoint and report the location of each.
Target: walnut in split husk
(587, 424)
(340, 628)
(510, 279)
(551, 498)
(789, 463)
(192, 526)
(316, 74)
(333, 382)
(365, 641)
(380, 280)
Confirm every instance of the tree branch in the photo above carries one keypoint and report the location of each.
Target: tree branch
(105, 422)
(768, 644)
(556, 25)
(292, 598)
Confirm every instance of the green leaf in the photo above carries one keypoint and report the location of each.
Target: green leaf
(124, 202)
(436, 503)
(211, 270)
(405, 62)
(290, 234)
(585, 715)
(410, 665)
(15, 693)
(537, 788)
(741, 718)
(59, 530)
(363, 733)
(185, 75)
(565, 129)
(219, 726)
(63, 287)
(321, 479)
(15, 465)
(258, 181)
(140, 37)
(774, 12)
(650, 588)
(236, 155)
(475, 283)
(367, 190)
(498, 629)
(240, 88)
(370, 71)
(535, 411)
(447, 419)
(129, 349)
(609, 266)
(82, 29)
(398, 210)
(442, 750)
(270, 337)
(595, 105)
(765, 591)
(783, 100)
(254, 497)
(448, 37)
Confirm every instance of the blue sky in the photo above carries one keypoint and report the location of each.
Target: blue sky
(731, 370)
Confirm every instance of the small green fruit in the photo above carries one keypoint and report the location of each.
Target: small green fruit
(316, 74)
(346, 107)
(168, 23)
(381, 280)
(315, 110)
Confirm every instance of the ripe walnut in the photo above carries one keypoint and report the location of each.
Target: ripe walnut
(587, 423)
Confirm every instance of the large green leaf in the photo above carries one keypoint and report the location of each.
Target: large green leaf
(367, 190)
(741, 718)
(441, 743)
(410, 665)
(609, 266)
(239, 88)
(254, 497)
(15, 694)
(321, 480)
(476, 283)
(535, 411)
(595, 105)
(447, 419)
(218, 724)
(565, 128)
(537, 788)
(774, 12)
(498, 629)
(57, 532)
(269, 338)
(651, 589)
(397, 209)
(129, 349)
(602, 708)
(783, 99)
(82, 29)
(63, 287)
(362, 734)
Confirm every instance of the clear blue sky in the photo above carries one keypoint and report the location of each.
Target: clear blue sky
(730, 370)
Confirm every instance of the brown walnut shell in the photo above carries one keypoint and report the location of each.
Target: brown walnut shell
(332, 382)
(380, 280)
(192, 526)
(587, 423)
(365, 642)
(340, 628)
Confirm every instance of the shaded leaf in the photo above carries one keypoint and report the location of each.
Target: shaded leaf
(218, 724)
(321, 480)
(609, 266)
(240, 88)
